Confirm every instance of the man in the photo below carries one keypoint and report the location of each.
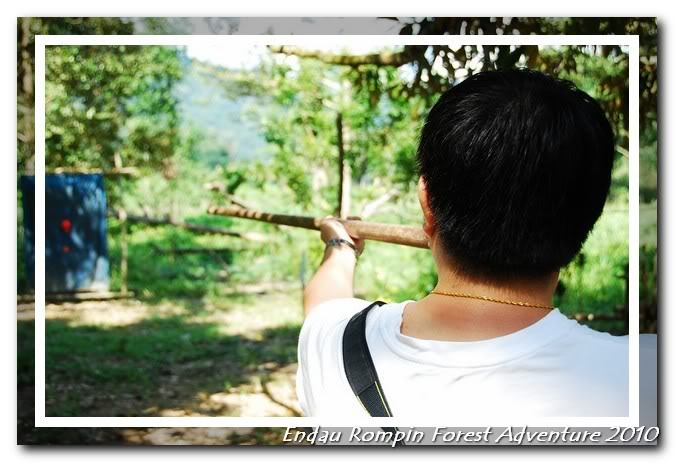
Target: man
(515, 168)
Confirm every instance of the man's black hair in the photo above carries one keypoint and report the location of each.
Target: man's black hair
(517, 166)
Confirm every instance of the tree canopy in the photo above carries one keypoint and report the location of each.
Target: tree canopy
(111, 106)
(434, 69)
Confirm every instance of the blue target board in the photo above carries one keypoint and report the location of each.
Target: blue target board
(76, 233)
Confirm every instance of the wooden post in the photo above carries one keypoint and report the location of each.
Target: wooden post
(345, 173)
(124, 251)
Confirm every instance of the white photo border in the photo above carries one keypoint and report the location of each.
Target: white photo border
(41, 41)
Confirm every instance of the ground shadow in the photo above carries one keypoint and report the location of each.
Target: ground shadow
(142, 369)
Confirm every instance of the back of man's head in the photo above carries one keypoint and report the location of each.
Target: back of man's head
(517, 167)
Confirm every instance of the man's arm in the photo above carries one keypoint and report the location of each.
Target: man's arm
(335, 277)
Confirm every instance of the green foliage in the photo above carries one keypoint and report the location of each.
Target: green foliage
(111, 105)
(379, 129)
(600, 72)
(648, 165)
(300, 126)
(28, 28)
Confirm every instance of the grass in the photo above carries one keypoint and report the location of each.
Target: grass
(129, 358)
(160, 357)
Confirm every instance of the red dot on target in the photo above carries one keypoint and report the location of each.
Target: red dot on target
(66, 225)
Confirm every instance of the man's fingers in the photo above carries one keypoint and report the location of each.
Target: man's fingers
(328, 222)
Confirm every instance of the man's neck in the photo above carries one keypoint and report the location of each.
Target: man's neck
(451, 318)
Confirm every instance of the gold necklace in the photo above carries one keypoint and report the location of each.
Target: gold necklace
(492, 299)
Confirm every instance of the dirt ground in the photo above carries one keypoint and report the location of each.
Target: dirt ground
(234, 357)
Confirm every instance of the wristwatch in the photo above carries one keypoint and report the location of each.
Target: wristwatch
(340, 242)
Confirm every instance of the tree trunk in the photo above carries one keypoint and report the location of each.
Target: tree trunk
(345, 173)
(124, 252)
(27, 96)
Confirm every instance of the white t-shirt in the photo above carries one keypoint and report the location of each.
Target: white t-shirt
(554, 367)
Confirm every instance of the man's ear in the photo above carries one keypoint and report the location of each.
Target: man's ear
(429, 221)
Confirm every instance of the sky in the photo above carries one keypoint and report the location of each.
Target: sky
(234, 58)
(248, 57)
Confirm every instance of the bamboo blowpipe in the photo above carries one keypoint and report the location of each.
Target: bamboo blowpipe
(406, 235)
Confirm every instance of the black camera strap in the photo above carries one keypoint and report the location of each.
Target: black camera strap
(360, 369)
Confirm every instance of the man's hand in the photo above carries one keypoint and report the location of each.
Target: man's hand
(332, 228)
